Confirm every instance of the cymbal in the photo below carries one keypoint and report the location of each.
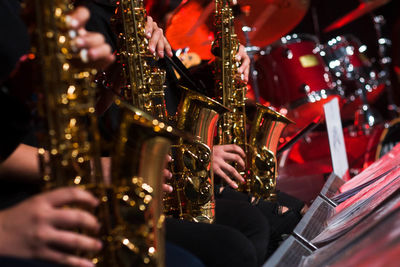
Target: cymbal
(269, 19)
(191, 25)
(365, 7)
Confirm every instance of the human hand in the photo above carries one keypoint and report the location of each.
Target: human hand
(167, 175)
(244, 60)
(158, 44)
(91, 46)
(222, 156)
(39, 227)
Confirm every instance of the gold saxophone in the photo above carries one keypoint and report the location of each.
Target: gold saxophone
(130, 209)
(193, 179)
(144, 84)
(193, 196)
(261, 144)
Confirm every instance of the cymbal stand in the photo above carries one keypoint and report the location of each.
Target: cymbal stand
(251, 51)
(365, 116)
(384, 46)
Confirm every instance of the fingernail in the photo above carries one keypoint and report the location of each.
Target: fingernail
(170, 175)
(235, 185)
(169, 158)
(170, 189)
(84, 55)
(148, 34)
(79, 42)
(71, 22)
(161, 54)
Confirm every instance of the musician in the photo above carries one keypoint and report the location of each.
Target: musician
(37, 228)
(233, 240)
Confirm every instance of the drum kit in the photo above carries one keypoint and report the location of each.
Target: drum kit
(296, 73)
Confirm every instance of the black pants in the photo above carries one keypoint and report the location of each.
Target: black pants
(279, 224)
(239, 237)
(175, 257)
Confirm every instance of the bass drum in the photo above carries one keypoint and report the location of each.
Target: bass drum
(292, 74)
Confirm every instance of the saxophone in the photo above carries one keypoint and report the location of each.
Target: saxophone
(261, 144)
(130, 210)
(193, 179)
(193, 196)
(144, 84)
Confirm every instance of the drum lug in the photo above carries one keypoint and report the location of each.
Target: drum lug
(287, 53)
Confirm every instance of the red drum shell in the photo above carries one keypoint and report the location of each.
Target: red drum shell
(293, 74)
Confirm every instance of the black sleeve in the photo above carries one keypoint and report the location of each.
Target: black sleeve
(14, 39)
(14, 119)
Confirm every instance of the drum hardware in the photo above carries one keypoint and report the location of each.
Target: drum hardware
(300, 134)
(251, 51)
(385, 61)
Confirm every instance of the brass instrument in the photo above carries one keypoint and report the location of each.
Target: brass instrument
(193, 197)
(144, 84)
(130, 208)
(66, 99)
(137, 164)
(265, 132)
(193, 179)
(260, 170)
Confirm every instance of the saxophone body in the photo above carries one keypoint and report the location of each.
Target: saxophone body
(144, 83)
(137, 164)
(265, 132)
(193, 182)
(130, 210)
(260, 144)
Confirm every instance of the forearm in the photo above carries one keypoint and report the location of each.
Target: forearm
(22, 164)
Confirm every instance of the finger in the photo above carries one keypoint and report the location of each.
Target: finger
(73, 241)
(99, 52)
(246, 74)
(244, 65)
(234, 148)
(64, 259)
(240, 53)
(91, 39)
(75, 218)
(232, 157)
(70, 195)
(155, 38)
(168, 158)
(149, 27)
(167, 174)
(160, 45)
(167, 188)
(224, 176)
(233, 172)
(78, 18)
(168, 48)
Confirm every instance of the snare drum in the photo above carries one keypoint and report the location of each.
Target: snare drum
(291, 73)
